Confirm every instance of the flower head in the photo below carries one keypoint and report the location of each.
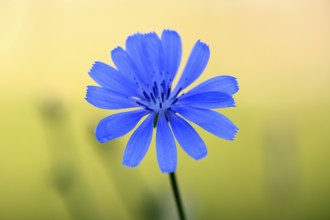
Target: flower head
(143, 79)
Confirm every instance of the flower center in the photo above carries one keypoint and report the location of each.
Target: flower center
(157, 96)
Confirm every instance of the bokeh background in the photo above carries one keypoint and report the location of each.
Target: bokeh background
(51, 166)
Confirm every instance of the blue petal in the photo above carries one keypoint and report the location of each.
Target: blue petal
(172, 48)
(118, 125)
(207, 100)
(211, 121)
(146, 52)
(125, 64)
(196, 64)
(153, 52)
(112, 79)
(139, 143)
(225, 84)
(134, 47)
(107, 99)
(165, 146)
(187, 137)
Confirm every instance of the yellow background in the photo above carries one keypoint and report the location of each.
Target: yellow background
(51, 167)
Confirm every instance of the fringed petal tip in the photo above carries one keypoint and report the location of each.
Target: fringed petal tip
(234, 104)
(233, 135)
(139, 35)
(204, 46)
(116, 49)
(87, 94)
(169, 31)
(235, 85)
(90, 72)
(202, 43)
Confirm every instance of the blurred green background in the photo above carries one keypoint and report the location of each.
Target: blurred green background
(51, 166)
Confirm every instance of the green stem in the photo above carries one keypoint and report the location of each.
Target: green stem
(176, 193)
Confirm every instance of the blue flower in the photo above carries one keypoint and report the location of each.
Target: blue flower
(143, 80)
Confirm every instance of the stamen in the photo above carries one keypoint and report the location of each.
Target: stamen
(168, 92)
(146, 96)
(144, 106)
(155, 91)
(166, 117)
(141, 104)
(140, 85)
(153, 98)
(178, 92)
(174, 101)
(155, 88)
(163, 85)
